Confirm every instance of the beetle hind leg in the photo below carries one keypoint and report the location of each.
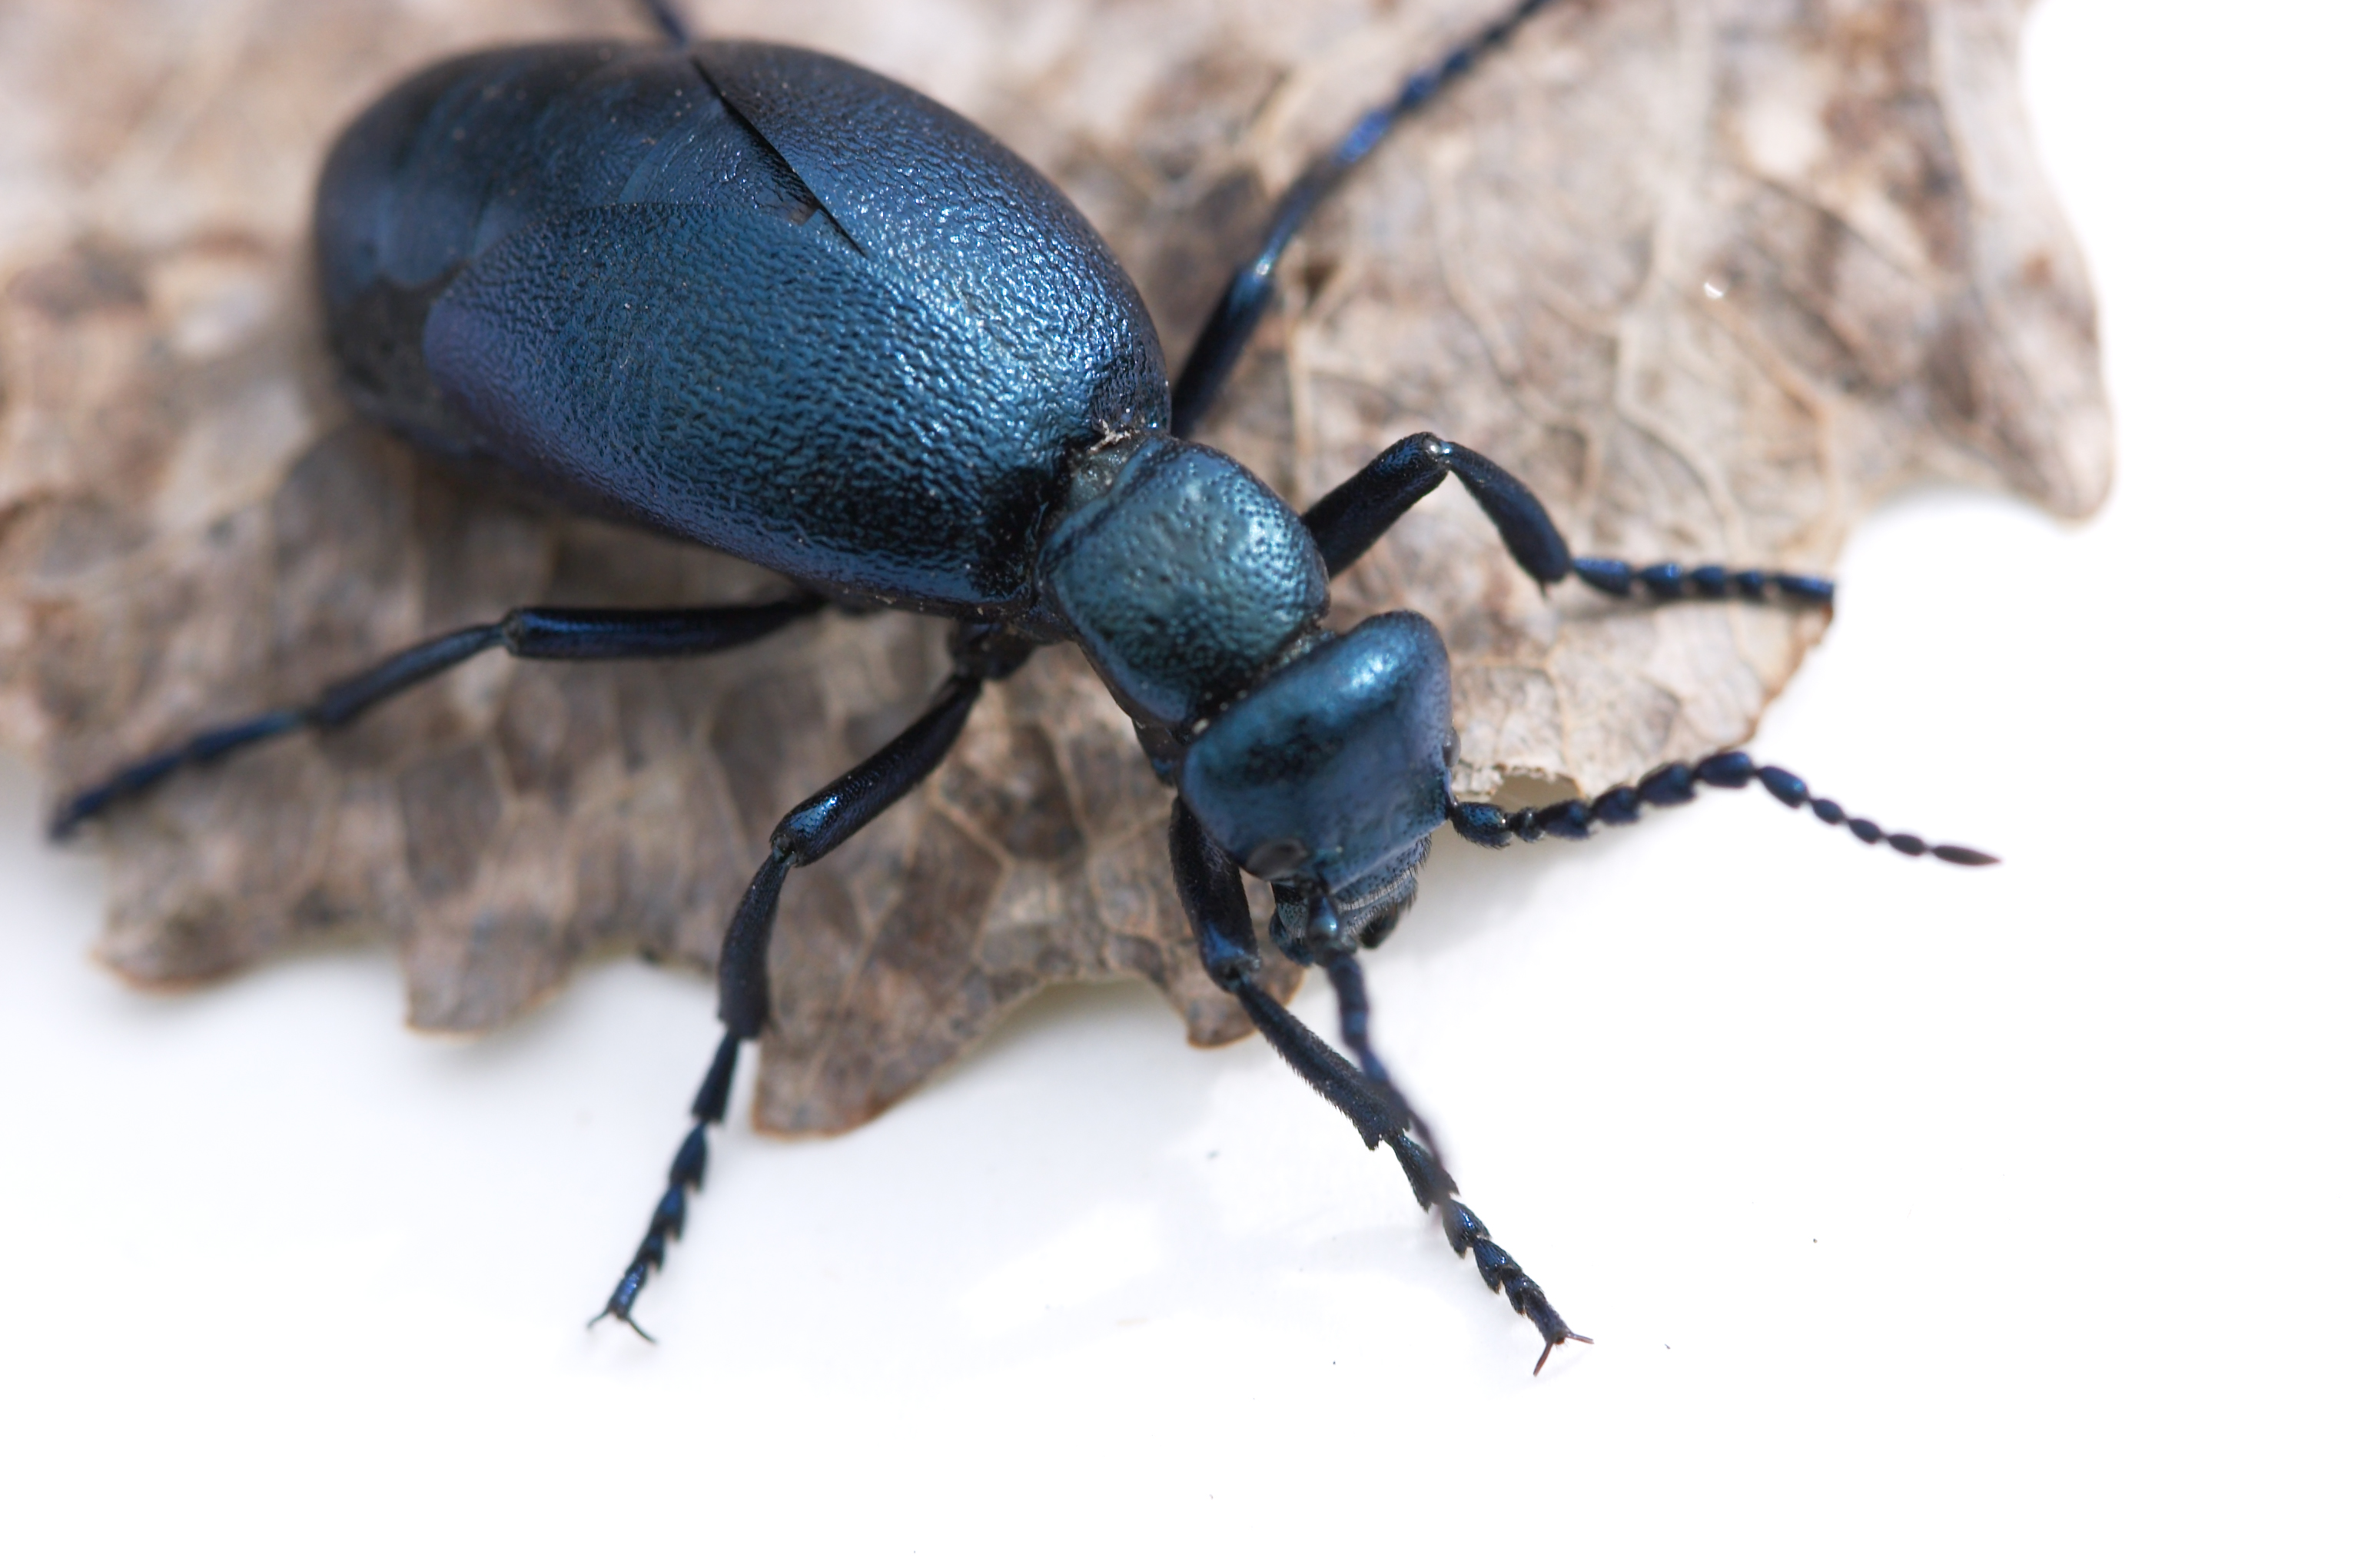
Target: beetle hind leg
(1224, 337)
(667, 18)
(528, 634)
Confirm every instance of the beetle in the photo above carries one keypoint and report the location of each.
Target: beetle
(765, 301)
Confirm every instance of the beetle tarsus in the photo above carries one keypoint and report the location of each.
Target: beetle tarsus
(686, 1174)
(1501, 1273)
(1549, 1343)
(619, 1305)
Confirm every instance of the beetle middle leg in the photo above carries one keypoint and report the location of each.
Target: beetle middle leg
(528, 634)
(840, 809)
(1214, 894)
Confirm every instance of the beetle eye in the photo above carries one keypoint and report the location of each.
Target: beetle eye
(1379, 929)
(1278, 858)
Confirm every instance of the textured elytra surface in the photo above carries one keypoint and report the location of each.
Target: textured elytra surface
(1712, 276)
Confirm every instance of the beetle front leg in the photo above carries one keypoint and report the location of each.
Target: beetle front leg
(810, 831)
(1355, 514)
(1351, 989)
(1214, 894)
(1349, 519)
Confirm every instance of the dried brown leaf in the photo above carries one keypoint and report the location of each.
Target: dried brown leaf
(1712, 276)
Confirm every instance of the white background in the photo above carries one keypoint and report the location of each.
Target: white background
(1922, 1216)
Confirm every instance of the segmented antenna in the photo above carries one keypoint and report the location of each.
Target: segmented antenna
(1676, 783)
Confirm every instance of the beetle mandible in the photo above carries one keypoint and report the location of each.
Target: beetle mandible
(765, 301)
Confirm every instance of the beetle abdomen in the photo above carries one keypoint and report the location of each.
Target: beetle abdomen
(747, 295)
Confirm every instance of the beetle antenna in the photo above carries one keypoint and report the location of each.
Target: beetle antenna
(1676, 783)
(669, 21)
(1223, 336)
(1669, 580)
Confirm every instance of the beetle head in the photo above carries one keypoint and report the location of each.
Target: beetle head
(1329, 780)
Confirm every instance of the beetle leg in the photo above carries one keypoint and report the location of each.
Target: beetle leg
(1343, 973)
(1350, 517)
(529, 633)
(1676, 783)
(1225, 336)
(667, 18)
(1214, 895)
(803, 835)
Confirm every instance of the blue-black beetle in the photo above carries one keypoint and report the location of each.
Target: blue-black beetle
(768, 301)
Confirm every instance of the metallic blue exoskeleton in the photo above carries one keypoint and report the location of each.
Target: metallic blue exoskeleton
(772, 303)
(777, 305)
(749, 295)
